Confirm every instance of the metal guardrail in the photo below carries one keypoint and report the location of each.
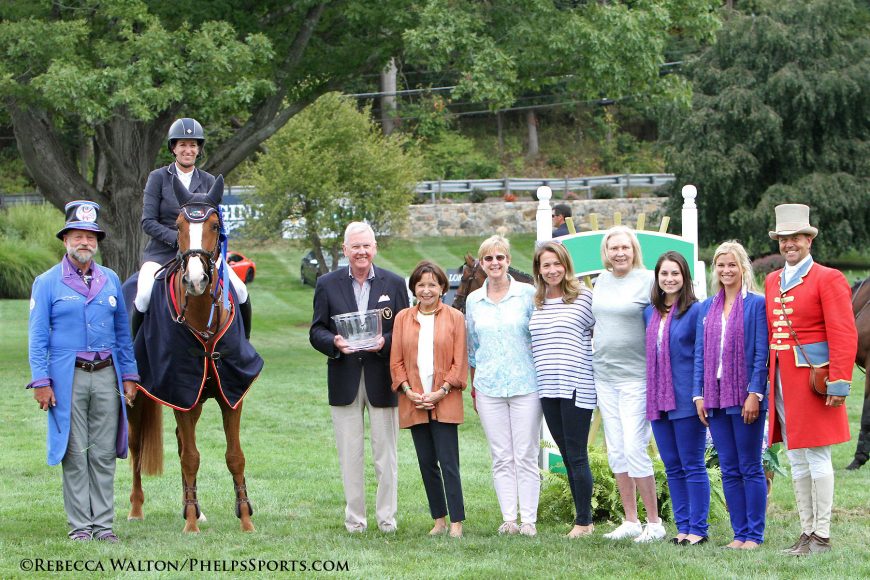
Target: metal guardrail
(620, 181)
(234, 194)
(32, 198)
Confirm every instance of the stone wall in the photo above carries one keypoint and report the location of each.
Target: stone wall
(475, 219)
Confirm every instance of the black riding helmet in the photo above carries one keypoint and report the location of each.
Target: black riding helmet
(185, 128)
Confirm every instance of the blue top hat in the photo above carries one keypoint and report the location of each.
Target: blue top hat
(82, 215)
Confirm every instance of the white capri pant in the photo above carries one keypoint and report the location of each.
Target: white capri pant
(810, 461)
(513, 429)
(626, 429)
(146, 283)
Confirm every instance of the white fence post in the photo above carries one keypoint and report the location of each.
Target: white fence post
(544, 215)
(690, 233)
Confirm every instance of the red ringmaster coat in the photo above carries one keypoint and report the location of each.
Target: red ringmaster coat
(817, 302)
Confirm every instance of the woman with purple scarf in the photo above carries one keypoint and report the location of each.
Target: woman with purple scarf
(730, 387)
(671, 321)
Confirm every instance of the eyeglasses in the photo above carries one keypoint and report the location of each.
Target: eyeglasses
(497, 257)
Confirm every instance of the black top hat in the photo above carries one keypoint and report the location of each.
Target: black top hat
(82, 215)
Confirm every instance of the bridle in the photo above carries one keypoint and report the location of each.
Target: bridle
(196, 213)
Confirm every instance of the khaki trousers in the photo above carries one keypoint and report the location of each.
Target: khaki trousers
(89, 463)
(349, 425)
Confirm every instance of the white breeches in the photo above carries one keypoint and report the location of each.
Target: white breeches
(146, 283)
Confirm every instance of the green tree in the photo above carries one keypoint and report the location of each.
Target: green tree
(109, 76)
(780, 113)
(331, 165)
(579, 49)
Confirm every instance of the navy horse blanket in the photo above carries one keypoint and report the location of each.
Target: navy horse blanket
(174, 363)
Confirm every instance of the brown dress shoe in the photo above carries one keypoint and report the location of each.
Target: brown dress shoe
(804, 539)
(819, 545)
(803, 546)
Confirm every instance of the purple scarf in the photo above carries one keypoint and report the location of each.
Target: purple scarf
(732, 388)
(659, 379)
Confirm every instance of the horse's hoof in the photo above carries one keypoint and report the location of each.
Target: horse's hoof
(249, 527)
(132, 518)
(191, 529)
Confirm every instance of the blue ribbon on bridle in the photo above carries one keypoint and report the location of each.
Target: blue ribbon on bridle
(224, 272)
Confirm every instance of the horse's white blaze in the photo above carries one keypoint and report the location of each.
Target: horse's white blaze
(195, 271)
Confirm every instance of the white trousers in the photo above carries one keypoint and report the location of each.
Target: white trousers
(146, 283)
(513, 429)
(348, 422)
(813, 461)
(626, 429)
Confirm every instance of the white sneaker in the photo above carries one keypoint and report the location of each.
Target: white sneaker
(651, 533)
(529, 529)
(509, 528)
(625, 530)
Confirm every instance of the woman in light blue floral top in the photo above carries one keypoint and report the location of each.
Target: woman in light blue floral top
(504, 387)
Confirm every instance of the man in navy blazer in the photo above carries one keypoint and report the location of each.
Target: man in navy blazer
(360, 380)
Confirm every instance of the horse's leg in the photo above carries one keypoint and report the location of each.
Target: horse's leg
(186, 433)
(137, 496)
(236, 462)
(862, 451)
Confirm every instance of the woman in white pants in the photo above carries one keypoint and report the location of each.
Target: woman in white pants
(504, 387)
(619, 362)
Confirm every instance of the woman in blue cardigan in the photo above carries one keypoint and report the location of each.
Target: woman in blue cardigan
(730, 387)
(671, 322)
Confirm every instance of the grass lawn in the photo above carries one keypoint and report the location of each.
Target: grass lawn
(294, 479)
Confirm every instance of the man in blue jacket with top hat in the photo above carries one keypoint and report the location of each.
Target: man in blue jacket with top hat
(82, 365)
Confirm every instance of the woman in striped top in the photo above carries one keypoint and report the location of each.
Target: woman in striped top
(561, 329)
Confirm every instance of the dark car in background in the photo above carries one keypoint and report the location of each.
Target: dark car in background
(309, 271)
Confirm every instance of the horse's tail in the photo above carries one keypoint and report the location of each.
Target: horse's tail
(150, 436)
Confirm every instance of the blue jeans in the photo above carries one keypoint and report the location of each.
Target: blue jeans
(681, 446)
(739, 447)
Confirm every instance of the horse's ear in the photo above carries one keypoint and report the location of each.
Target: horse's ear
(181, 194)
(216, 193)
(469, 259)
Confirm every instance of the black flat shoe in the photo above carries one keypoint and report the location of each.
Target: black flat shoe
(698, 543)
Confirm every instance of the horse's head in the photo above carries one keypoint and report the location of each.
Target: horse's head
(198, 235)
(472, 278)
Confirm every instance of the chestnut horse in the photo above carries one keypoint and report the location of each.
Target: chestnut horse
(861, 310)
(473, 278)
(189, 337)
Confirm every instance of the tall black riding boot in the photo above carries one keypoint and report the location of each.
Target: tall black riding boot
(136, 319)
(245, 311)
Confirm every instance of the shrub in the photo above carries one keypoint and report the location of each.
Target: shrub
(604, 192)
(557, 161)
(766, 264)
(452, 156)
(557, 505)
(23, 263)
(477, 195)
(29, 246)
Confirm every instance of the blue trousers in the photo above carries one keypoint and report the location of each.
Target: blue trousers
(739, 447)
(681, 445)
